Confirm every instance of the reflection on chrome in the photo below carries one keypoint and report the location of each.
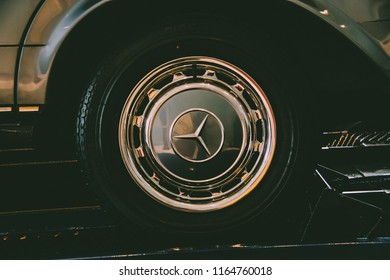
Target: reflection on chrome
(205, 137)
(324, 12)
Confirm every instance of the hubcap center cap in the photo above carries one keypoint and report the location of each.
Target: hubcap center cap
(197, 135)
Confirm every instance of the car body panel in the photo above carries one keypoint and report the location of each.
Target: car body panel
(364, 10)
(379, 31)
(366, 24)
(52, 24)
(14, 17)
(359, 11)
(7, 75)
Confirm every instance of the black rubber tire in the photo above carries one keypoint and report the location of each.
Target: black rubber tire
(102, 102)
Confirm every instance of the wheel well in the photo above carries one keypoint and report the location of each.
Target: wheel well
(328, 61)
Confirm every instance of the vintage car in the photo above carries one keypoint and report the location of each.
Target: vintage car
(194, 117)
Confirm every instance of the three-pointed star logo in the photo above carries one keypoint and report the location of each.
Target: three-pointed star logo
(197, 141)
(197, 136)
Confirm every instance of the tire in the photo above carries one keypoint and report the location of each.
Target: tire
(192, 128)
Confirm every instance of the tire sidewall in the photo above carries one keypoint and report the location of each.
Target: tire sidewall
(128, 64)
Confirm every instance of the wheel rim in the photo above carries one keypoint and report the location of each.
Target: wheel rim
(197, 134)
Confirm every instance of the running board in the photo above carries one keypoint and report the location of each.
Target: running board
(354, 139)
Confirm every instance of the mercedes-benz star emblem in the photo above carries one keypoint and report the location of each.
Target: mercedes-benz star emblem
(197, 135)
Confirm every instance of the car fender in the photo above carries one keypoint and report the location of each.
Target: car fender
(51, 25)
(368, 30)
(56, 19)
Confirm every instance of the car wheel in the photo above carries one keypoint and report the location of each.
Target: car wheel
(190, 129)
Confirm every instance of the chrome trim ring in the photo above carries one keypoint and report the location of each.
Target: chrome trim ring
(197, 134)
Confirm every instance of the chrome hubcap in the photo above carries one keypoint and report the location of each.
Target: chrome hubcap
(197, 134)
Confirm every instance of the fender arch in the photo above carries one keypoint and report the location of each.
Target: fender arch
(344, 22)
(52, 24)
